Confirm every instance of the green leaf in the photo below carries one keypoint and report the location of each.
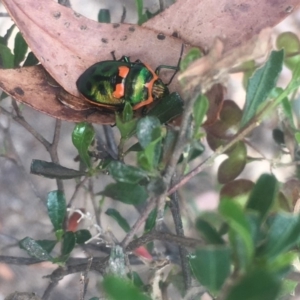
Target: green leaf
(249, 67)
(136, 279)
(125, 289)
(192, 55)
(104, 16)
(9, 33)
(34, 249)
(127, 193)
(208, 232)
(30, 60)
(288, 289)
(289, 41)
(82, 236)
(6, 58)
(52, 170)
(82, 137)
(48, 245)
(263, 194)
(148, 130)
(211, 266)
(127, 113)
(297, 137)
(56, 204)
(288, 110)
(151, 220)
(124, 173)
(200, 108)
(139, 8)
(282, 263)
(148, 159)
(2, 40)
(256, 285)
(20, 49)
(283, 234)
(234, 215)
(261, 84)
(118, 217)
(68, 244)
(167, 108)
(125, 122)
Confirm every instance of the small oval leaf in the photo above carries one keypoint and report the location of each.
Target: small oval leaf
(126, 193)
(118, 217)
(124, 173)
(82, 137)
(56, 204)
(52, 170)
(34, 249)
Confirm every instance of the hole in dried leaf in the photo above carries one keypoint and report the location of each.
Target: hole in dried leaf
(116, 25)
(289, 9)
(83, 27)
(19, 91)
(175, 34)
(161, 36)
(132, 29)
(57, 15)
(105, 41)
(76, 14)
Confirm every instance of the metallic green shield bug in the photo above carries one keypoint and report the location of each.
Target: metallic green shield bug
(111, 83)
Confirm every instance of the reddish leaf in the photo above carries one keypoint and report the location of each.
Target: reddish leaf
(229, 120)
(73, 220)
(236, 188)
(143, 253)
(234, 164)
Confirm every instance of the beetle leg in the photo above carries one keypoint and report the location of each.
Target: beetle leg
(113, 55)
(175, 68)
(125, 59)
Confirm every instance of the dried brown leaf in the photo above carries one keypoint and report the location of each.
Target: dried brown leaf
(33, 86)
(200, 22)
(67, 43)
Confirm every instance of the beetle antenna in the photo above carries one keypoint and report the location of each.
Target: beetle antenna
(178, 65)
(113, 55)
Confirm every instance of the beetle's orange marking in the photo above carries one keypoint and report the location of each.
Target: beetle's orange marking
(119, 90)
(120, 87)
(123, 71)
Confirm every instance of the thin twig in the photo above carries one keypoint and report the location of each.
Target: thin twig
(53, 151)
(85, 280)
(149, 207)
(29, 128)
(49, 289)
(175, 210)
(110, 140)
(93, 200)
(17, 160)
(179, 146)
(163, 236)
(78, 186)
